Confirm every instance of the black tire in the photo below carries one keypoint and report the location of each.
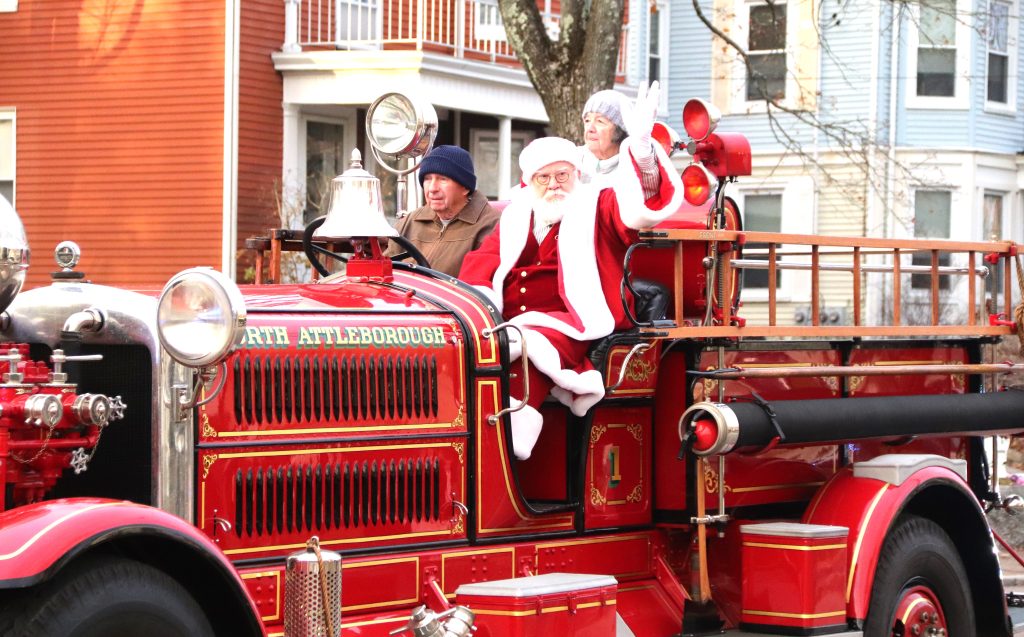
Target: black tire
(113, 597)
(919, 559)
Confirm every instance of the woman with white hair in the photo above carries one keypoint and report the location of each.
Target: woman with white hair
(605, 127)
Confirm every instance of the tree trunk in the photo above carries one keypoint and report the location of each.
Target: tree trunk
(567, 71)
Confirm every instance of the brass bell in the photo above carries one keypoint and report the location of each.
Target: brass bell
(356, 208)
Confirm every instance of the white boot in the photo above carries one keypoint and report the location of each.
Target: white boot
(526, 426)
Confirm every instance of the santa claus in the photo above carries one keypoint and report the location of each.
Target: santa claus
(554, 265)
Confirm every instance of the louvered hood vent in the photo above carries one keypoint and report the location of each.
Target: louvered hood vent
(317, 498)
(281, 389)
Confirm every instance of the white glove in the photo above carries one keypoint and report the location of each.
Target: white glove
(645, 112)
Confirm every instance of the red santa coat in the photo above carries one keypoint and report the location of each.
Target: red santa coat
(589, 245)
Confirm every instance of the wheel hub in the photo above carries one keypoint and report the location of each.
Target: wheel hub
(919, 614)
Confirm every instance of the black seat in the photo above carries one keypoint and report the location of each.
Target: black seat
(650, 300)
(650, 303)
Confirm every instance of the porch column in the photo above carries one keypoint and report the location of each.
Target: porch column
(504, 156)
(291, 27)
(293, 171)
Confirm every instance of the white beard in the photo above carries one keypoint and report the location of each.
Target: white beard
(550, 212)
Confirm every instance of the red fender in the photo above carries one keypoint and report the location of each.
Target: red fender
(868, 507)
(37, 539)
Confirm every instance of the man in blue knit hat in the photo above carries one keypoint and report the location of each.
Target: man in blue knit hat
(456, 218)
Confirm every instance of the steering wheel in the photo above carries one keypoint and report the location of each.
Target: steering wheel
(312, 250)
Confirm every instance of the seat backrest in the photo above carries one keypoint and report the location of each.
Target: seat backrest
(650, 301)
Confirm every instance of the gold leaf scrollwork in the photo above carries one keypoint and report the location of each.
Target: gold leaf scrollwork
(636, 494)
(959, 382)
(596, 433)
(459, 420)
(832, 382)
(637, 431)
(639, 370)
(711, 483)
(597, 498)
(208, 429)
(460, 448)
(854, 383)
(457, 528)
(207, 463)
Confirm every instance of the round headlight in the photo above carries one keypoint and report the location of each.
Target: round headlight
(400, 125)
(200, 317)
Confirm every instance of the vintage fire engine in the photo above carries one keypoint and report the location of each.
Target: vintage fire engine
(165, 457)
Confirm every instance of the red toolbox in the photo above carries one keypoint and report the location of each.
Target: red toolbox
(557, 604)
(794, 578)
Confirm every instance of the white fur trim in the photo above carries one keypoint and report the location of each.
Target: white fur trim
(580, 404)
(577, 259)
(526, 426)
(630, 195)
(545, 151)
(492, 296)
(574, 390)
(515, 348)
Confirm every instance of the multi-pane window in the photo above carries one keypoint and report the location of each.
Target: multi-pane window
(324, 160)
(936, 49)
(766, 49)
(998, 52)
(487, 23)
(992, 230)
(762, 213)
(654, 52)
(7, 156)
(931, 221)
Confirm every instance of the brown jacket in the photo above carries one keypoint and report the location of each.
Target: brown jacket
(444, 247)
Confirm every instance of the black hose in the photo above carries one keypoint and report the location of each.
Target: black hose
(844, 419)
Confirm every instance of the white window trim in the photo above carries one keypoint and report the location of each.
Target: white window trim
(1010, 107)
(1005, 220)
(348, 136)
(796, 192)
(8, 6)
(743, 105)
(664, 19)
(961, 81)
(11, 114)
(910, 294)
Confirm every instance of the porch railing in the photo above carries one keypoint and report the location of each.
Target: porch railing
(468, 29)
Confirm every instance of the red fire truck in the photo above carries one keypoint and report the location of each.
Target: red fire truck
(165, 455)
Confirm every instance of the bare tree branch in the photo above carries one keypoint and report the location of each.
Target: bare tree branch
(567, 71)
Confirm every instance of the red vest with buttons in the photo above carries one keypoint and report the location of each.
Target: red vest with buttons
(532, 285)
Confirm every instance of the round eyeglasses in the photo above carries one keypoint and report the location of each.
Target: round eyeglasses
(543, 179)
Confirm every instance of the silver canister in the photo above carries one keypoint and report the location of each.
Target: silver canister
(312, 586)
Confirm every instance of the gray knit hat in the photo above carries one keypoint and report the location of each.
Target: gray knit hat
(612, 104)
(452, 162)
